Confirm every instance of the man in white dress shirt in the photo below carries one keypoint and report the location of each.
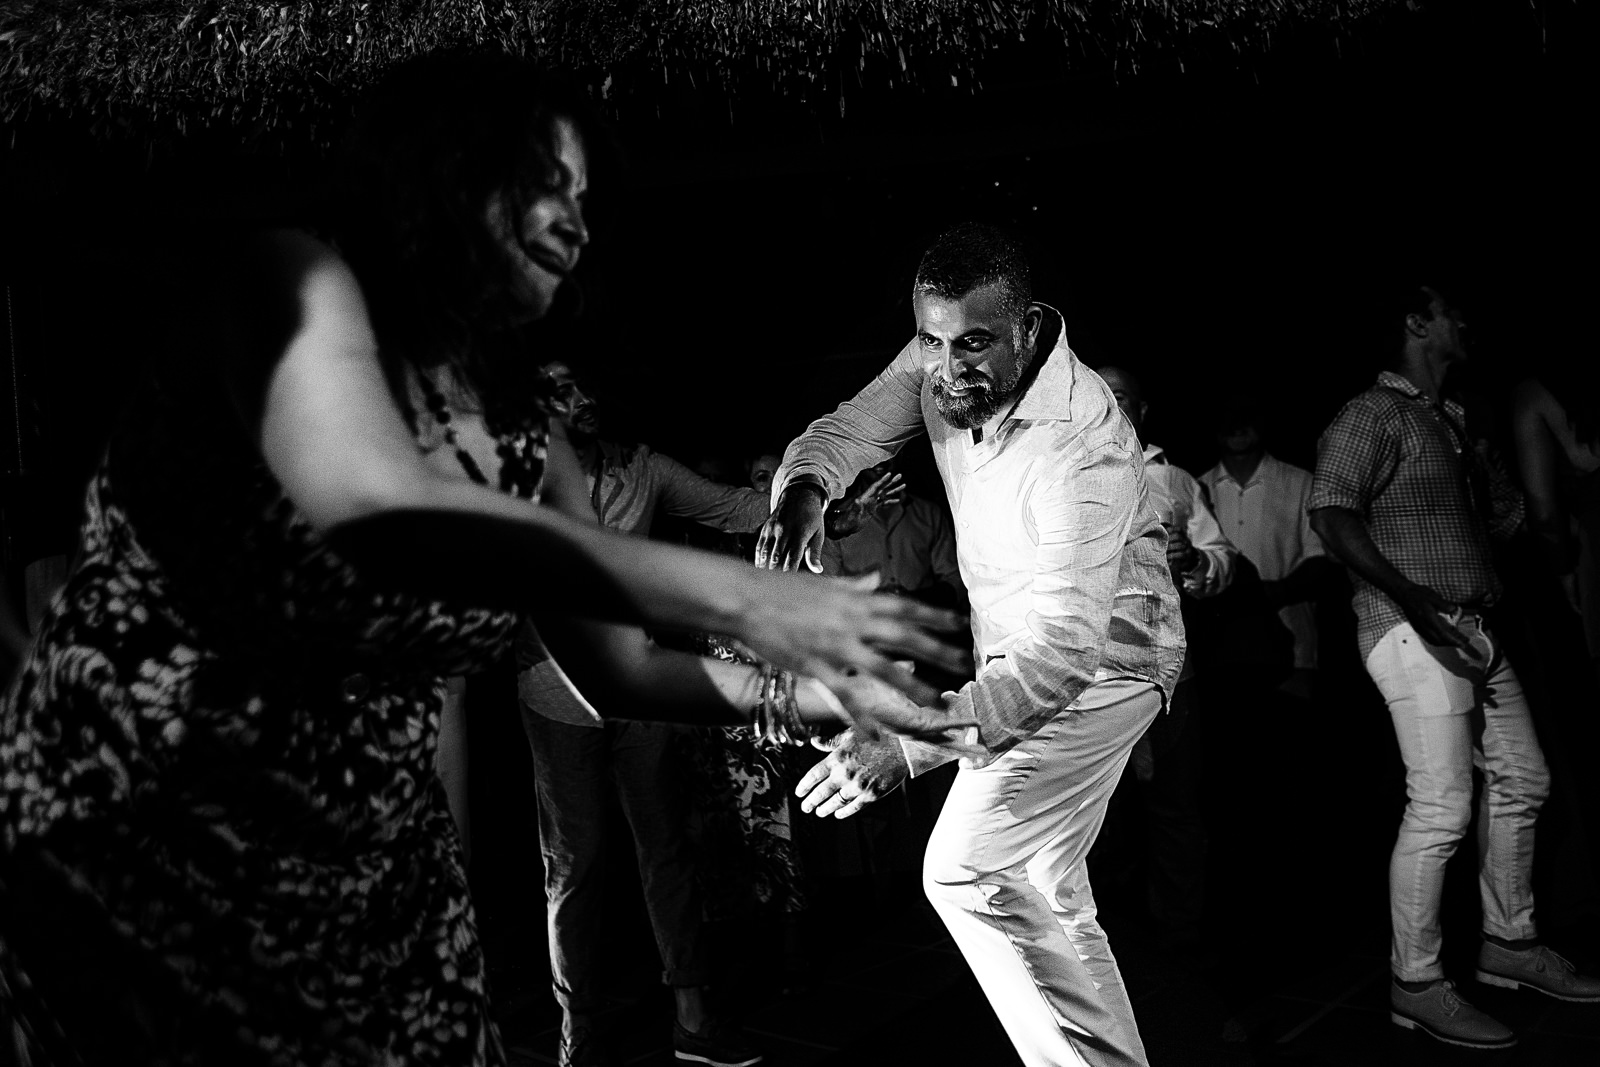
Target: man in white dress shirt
(1200, 553)
(1075, 622)
(1261, 503)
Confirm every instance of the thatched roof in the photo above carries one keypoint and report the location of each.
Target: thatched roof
(277, 66)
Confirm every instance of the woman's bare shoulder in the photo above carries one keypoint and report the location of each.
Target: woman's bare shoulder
(303, 263)
(289, 284)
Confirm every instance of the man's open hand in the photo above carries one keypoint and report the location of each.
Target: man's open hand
(853, 775)
(793, 533)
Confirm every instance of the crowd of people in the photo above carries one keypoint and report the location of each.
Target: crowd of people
(233, 822)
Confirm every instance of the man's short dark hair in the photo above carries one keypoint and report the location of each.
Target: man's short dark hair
(1237, 412)
(1398, 301)
(974, 255)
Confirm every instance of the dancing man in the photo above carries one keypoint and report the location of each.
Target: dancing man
(1402, 497)
(1076, 623)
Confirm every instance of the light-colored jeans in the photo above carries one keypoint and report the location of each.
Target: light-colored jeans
(1452, 713)
(1005, 871)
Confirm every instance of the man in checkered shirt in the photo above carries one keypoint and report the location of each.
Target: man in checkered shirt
(1404, 499)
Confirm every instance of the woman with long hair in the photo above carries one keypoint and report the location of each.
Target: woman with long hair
(221, 838)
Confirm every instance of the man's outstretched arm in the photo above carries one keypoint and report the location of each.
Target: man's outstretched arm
(817, 466)
(687, 495)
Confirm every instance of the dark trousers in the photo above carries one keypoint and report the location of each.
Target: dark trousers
(1166, 764)
(574, 766)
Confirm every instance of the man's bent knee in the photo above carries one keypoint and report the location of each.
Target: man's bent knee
(1443, 818)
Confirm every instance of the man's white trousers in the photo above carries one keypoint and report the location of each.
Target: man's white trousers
(1005, 869)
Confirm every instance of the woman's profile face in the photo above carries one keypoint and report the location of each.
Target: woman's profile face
(543, 246)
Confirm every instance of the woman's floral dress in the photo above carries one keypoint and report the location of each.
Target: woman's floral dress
(222, 840)
(740, 790)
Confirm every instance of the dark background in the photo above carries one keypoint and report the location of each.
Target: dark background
(1215, 227)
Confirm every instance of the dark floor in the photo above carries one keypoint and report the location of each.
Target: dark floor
(1301, 807)
(898, 992)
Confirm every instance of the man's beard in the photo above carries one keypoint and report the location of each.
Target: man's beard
(982, 400)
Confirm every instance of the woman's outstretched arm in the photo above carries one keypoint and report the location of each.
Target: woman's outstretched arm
(625, 675)
(332, 434)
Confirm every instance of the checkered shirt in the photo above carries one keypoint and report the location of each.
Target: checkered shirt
(1429, 500)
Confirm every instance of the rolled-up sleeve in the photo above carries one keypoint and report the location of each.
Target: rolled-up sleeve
(1082, 519)
(1310, 543)
(1356, 455)
(866, 430)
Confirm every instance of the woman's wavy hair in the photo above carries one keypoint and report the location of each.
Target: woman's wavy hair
(428, 146)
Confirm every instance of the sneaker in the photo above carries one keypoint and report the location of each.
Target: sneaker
(1439, 1012)
(584, 1049)
(718, 1043)
(1538, 968)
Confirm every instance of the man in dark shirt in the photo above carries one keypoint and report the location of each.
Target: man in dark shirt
(1401, 496)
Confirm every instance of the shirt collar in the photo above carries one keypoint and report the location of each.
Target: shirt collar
(1049, 395)
(1257, 476)
(992, 427)
(1154, 454)
(1401, 384)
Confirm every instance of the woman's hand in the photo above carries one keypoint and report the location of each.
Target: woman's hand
(835, 628)
(875, 708)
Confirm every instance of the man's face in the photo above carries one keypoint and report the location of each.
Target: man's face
(1129, 398)
(974, 352)
(1445, 328)
(761, 472)
(577, 407)
(1239, 440)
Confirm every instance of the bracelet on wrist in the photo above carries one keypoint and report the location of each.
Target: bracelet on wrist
(776, 715)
